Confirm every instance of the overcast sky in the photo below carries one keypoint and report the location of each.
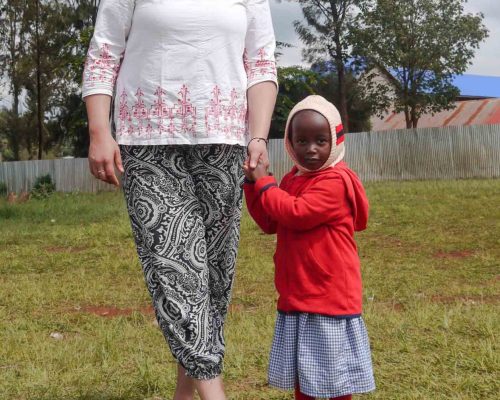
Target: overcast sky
(486, 61)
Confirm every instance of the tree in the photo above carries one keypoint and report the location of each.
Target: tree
(297, 83)
(359, 106)
(326, 36)
(70, 125)
(416, 47)
(12, 49)
(54, 61)
(5, 152)
(42, 48)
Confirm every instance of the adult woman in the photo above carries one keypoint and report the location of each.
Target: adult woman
(195, 82)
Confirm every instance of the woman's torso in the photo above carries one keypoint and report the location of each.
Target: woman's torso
(182, 73)
(185, 68)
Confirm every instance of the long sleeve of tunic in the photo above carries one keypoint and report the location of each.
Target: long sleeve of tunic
(179, 69)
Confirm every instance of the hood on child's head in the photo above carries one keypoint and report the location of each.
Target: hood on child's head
(332, 115)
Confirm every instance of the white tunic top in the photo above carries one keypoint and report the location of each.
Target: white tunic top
(181, 67)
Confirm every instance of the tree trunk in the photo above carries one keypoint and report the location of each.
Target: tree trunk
(414, 118)
(38, 82)
(408, 118)
(339, 62)
(14, 137)
(343, 96)
(94, 12)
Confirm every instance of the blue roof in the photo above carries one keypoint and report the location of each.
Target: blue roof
(468, 84)
(478, 85)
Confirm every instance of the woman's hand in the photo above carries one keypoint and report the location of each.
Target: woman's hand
(257, 151)
(255, 174)
(104, 155)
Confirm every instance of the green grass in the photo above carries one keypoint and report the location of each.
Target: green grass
(431, 292)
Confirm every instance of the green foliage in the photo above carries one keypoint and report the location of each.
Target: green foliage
(326, 36)
(64, 29)
(3, 189)
(359, 106)
(70, 126)
(325, 31)
(413, 49)
(295, 83)
(43, 187)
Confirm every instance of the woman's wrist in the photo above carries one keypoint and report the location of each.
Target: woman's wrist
(259, 139)
(99, 131)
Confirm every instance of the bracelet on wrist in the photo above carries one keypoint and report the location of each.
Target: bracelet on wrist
(259, 139)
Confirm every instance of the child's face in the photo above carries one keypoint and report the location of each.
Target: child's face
(311, 139)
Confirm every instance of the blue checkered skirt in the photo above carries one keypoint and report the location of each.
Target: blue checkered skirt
(326, 356)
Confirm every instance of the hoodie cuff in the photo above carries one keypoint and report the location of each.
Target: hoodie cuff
(265, 183)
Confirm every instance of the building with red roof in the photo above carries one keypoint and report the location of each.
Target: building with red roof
(478, 104)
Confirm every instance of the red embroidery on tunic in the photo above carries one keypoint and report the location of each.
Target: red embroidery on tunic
(262, 67)
(162, 113)
(159, 118)
(100, 66)
(226, 114)
(140, 112)
(213, 112)
(124, 115)
(186, 111)
(232, 110)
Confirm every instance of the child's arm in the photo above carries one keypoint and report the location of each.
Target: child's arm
(323, 202)
(253, 199)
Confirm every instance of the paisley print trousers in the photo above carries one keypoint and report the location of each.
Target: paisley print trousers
(184, 203)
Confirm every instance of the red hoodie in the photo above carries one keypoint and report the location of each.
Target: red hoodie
(317, 268)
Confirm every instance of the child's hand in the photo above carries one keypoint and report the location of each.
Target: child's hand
(247, 171)
(258, 172)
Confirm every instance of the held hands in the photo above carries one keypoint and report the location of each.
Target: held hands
(257, 162)
(255, 174)
(257, 150)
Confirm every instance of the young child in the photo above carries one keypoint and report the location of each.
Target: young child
(320, 346)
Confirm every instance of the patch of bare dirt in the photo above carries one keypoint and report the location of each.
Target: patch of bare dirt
(453, 255)
(398, 307)
(111, 312)
(387, 241)
(475, 299)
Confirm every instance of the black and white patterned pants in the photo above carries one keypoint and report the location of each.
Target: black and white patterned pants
(184, 204)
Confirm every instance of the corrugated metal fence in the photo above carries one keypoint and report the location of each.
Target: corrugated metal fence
(435, 153)
(69, 175)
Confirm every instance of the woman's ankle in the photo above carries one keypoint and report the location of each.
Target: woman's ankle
(212, 389)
